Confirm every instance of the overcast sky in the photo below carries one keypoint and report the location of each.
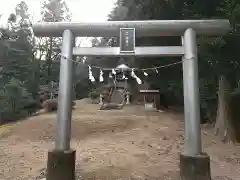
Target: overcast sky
(82, 10)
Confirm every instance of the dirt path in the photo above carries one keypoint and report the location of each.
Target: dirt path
(122, 144)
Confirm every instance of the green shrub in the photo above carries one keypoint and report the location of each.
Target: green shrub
(13, 98)
(82, 89)
(93, 94)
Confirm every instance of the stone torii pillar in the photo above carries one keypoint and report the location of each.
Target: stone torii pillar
(128, 98)
(100, 99)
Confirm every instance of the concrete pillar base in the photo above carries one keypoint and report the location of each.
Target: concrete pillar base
(195, 168)
(61, 165)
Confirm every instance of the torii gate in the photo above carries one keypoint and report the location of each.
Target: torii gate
(194, 164)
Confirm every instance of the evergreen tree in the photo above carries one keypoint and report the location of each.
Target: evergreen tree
(53, 11)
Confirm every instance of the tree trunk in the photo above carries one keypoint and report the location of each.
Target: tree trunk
(49, 61)
(1, 121)
(223, 127)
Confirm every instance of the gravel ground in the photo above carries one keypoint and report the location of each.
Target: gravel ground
(111, 145)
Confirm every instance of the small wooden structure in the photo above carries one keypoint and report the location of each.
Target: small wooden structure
(150, 99)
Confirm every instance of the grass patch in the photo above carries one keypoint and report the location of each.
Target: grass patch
(5, 128)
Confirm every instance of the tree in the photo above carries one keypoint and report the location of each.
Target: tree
(17, 47)
(16, 63)
(14, 97)
(218, 57)
(52, 11)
